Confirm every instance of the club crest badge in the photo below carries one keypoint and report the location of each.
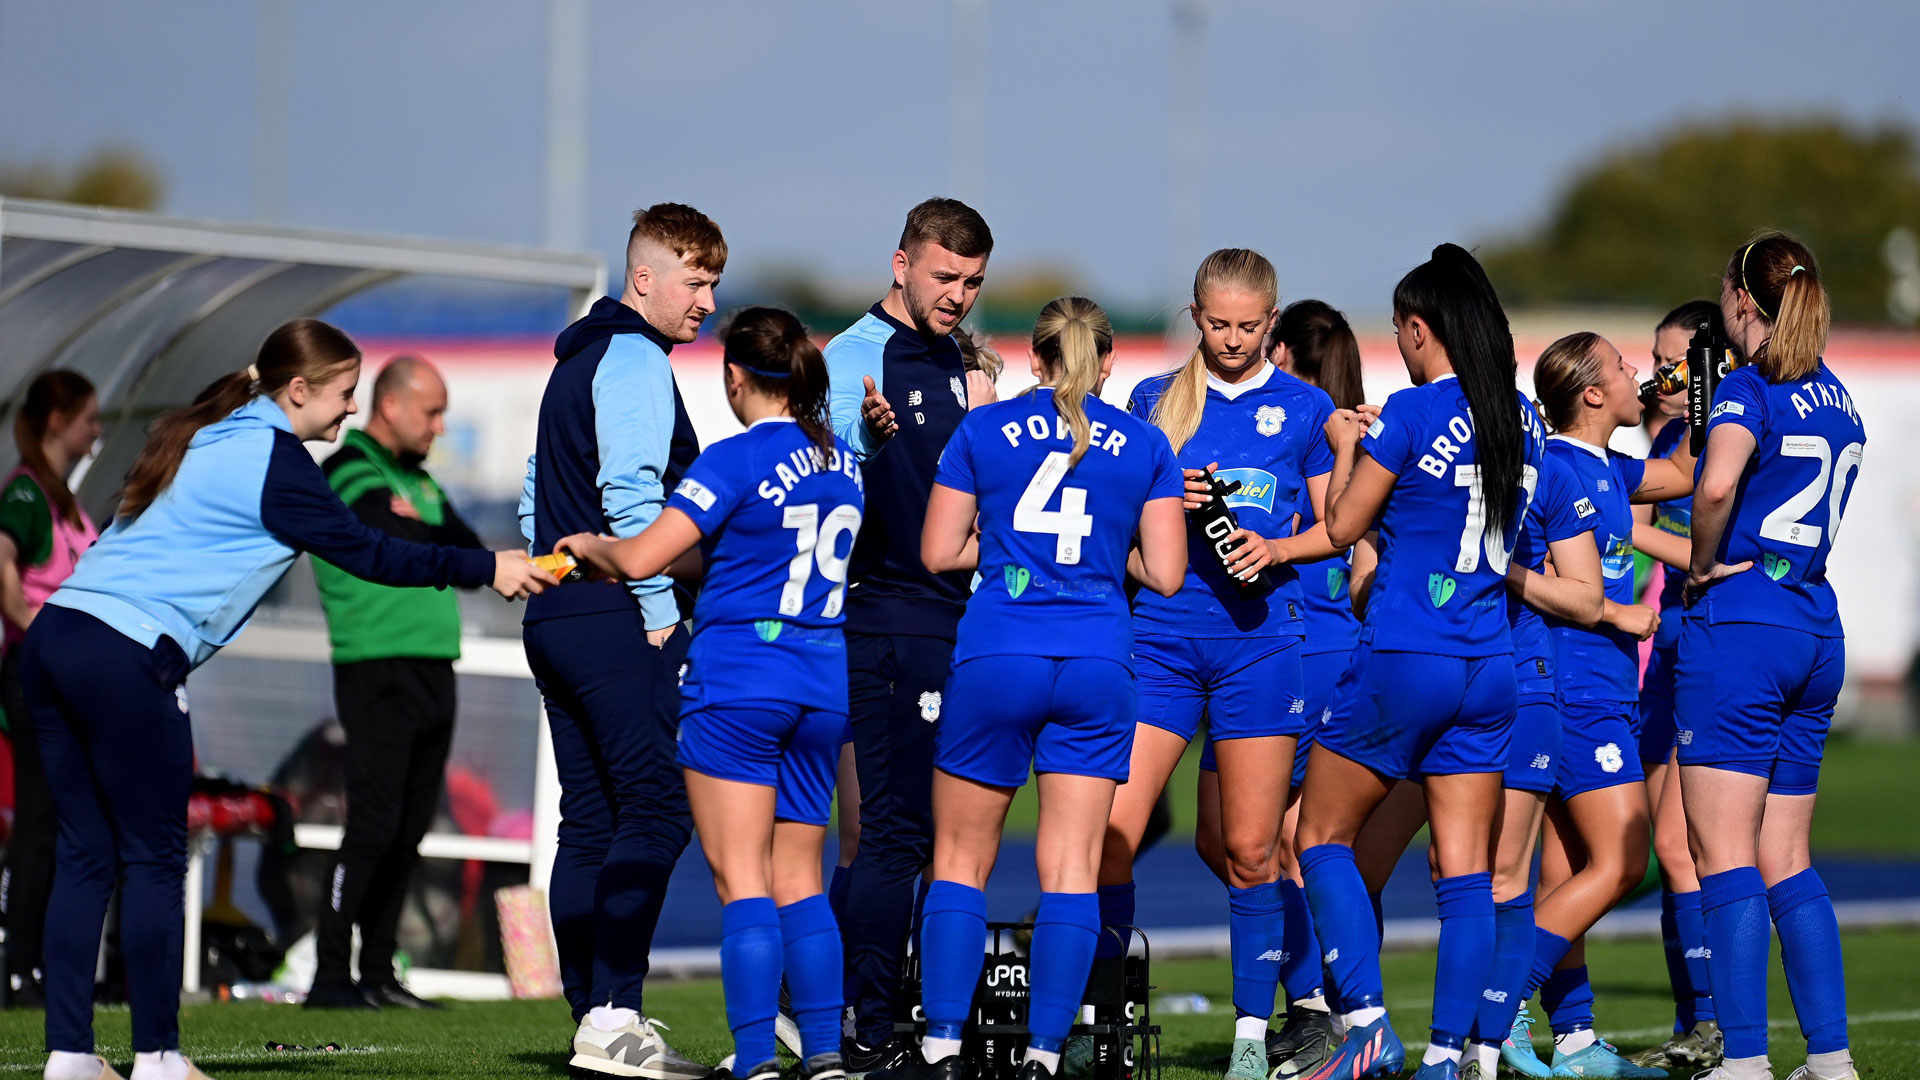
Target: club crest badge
(1268, 418)
(1608, 757)
(930, 706)
(959, 389)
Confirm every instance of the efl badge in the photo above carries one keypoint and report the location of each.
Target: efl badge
(1268, 418)
(930, 706)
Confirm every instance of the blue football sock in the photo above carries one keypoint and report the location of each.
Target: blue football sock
(1693, 947)
(1739, 936)
(812, 949)
(1567, 998)
(1300, 953)
(750, 966)
(1512, 962)
(1810, 952)
(1064, 931)
(1676, 956)
(1116, 910)
(953, 945)
(1338, 897)
(1255, 939)
(1465, 966)
(837, 889)
(1549, 949)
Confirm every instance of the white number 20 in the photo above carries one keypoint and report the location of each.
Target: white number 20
(813, 544)
(1784, 523)
(1473, 532)
(1070, 524)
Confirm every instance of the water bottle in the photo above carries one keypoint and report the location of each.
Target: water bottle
(1216, 522)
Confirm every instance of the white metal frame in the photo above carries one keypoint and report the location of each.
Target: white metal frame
(501, 657)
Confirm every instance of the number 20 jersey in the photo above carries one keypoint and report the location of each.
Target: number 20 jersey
(1809, 443)
(1441, 586)
(778, 520)
(1054, 541)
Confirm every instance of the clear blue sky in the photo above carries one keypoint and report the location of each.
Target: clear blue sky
(1343, 139)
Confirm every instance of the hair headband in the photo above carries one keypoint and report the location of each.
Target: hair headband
(760, 371)
(253, 373)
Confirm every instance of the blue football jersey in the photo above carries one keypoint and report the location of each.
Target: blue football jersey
(1441, 586)
(1559, 511)
(1674, 516)
(1789, 504)
(1267, 433)
(1325, 599)
(778, 520)
(1601, 664)
(1054, 539)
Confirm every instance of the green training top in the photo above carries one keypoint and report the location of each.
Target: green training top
(26, 516)
(380, 622)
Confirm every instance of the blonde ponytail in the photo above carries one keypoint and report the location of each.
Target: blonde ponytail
(1070, 337)
(1177, 413)
(1780, 275)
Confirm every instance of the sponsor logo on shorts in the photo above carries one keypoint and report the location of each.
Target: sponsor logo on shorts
(1256, 487)
(1268, 418)
(1017, 580)
(696, 493)
(1440, 589)
(930, 706)
(1608, 757)
(768, 629)
(1540, 761)
(1776, 565)
(1299, 706)
(1273, 954)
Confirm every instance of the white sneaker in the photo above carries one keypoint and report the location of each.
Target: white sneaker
(787, 1033)
(1805, 1072)
(636, 1049)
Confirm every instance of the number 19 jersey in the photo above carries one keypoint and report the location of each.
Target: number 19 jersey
(1054, 539)
(779, 519)
(1441, 586)
(1789, 504)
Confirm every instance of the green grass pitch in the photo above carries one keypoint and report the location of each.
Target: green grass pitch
(530, 1038)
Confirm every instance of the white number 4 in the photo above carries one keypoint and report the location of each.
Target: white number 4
(1070, 524)
(814, 543)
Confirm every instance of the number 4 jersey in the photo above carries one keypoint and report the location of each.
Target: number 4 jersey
(1788, 506)
(779, 519)
(1054, 539)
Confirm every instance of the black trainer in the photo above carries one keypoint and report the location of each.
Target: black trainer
(395, 996)
(860, 1059)
(828, 1066)
(1302, 1044)
(1033, 1070)
(330, 995)
(766, 1070)
(917, 1067)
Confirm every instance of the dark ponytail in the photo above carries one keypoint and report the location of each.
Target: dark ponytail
(1322, 348)
(777, 358)
(304, 348)
(52, 393)
(1451, 294)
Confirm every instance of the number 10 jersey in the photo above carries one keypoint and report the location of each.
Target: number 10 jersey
(778, 520)
(1054, 539)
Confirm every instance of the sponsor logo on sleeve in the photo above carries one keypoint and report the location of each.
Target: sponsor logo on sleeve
(696, 493)
(1584, 508)
(1727, 408)
(1379, 425)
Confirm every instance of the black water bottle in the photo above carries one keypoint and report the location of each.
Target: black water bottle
(1707, 361)
(1216, 523)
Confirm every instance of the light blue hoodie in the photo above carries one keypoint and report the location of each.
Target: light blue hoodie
(247, 499)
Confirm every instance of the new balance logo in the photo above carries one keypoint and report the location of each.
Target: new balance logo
(1699, 953)
(1684, 737)
(1273, 954)
(1540, 761)
(1498, 997)
(1332, 955)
